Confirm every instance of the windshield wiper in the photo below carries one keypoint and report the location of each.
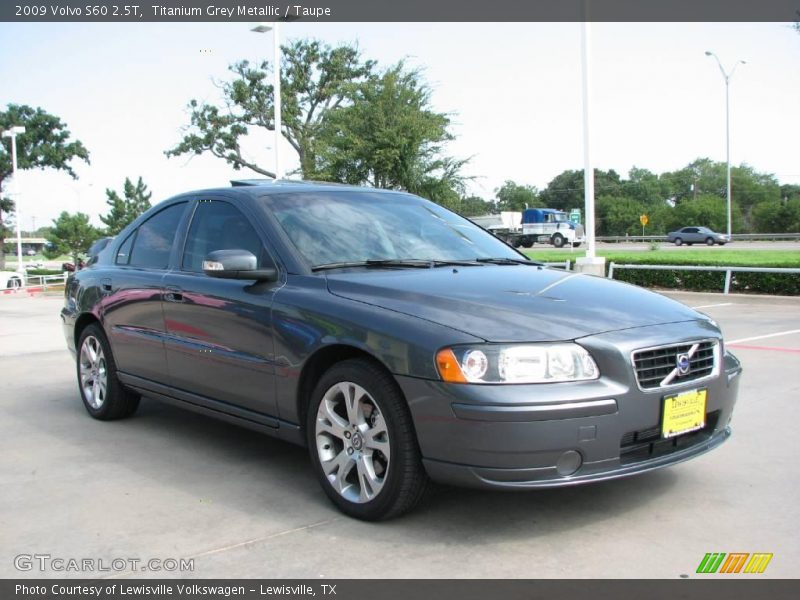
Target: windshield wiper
(413, 263)
(509, 261)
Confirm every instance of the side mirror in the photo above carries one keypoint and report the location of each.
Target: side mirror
(236, 264)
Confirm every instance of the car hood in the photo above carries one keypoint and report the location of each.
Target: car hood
(511, 303)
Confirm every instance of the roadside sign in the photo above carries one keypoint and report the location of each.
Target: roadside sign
(643, 220)
(575, 215)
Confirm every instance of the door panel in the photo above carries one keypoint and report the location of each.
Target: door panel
(131, 306)
(219, 339)
(135, 323)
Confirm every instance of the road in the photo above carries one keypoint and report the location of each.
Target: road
(641, 246)
(172, 484)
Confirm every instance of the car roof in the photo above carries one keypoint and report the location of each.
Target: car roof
(257, 187)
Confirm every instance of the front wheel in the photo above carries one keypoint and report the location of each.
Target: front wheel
(709, 241)
(558, 240)
(678, 241)
(103, 395)
(362, 442)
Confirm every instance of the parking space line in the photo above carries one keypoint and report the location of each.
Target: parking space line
(238, 545)
(763, 337)
(714, 305)
(771, 348)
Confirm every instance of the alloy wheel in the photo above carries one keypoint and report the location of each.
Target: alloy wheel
(352, 442)
(93, 372)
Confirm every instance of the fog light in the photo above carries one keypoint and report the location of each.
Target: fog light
(568, 463)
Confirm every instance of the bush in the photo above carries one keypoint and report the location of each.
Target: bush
(37, 272)
(787, 284)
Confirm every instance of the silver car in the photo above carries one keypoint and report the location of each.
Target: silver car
(697, 235)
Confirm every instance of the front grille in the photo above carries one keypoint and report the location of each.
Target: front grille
(645, 444)
(657, 367)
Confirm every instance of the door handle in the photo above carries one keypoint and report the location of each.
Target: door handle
(173, 294)
(105, 285)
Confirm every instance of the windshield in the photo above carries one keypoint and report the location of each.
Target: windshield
(560, 217)
(347, 227)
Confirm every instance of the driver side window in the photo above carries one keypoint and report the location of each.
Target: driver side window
(218, 225)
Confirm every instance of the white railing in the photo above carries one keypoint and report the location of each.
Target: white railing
(30, 282)
(728, 270)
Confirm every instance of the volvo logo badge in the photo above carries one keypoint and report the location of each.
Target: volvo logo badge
(683, 364)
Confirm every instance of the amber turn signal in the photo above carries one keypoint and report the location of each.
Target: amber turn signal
(448, 367)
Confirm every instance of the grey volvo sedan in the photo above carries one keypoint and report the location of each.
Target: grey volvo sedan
(396, 340)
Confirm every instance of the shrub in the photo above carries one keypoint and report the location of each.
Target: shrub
(785, 284)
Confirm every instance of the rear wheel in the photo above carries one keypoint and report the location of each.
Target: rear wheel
(558, 240)
(527, 242)
(103, 395)
(362, 442)
(576, 244)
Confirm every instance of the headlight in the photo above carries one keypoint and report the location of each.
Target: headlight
(530, 363)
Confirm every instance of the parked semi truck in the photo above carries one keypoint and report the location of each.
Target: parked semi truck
(536, 226)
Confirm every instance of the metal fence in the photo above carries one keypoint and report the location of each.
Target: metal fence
(728, 270)
(37, 283)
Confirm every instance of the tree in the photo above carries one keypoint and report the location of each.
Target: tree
(566, 190)
(514, 197)
(389, 137)
(71, 234)
(123, 210)
(707, 211)
(473, 206)
(646, 187)
(619, 215)
(46, 144)
(775, 216)
(315, 79)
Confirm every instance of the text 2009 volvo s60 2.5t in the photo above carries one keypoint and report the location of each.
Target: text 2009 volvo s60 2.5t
(397, 340)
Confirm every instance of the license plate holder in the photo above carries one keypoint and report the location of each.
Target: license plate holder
(684, 412)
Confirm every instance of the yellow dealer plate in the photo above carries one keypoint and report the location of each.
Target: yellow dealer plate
(684, 412)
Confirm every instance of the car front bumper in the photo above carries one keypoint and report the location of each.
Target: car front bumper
(548, 435)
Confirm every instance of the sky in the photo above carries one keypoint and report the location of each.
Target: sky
(513, 91)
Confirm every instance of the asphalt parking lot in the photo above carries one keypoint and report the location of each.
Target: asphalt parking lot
(172, 484)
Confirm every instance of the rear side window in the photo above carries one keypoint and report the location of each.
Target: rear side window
(124, 252)
(218, 225)
(153, 241)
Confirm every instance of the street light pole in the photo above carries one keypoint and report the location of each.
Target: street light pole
(276, 85)
(12, 133)
(588, 168)
(727, 77)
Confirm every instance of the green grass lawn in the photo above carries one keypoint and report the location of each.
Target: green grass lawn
(699, 256)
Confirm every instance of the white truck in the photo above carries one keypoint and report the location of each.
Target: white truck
(534, 225)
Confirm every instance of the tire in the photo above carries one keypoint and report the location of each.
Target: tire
(678, 241)
(103, 395)
(516, 243)
(526, 242)
(576, 244)
(383, 476)
(557, 240)
(709, 241)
